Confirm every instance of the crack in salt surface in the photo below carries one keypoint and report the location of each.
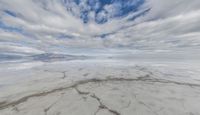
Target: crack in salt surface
(146, 78)
(145, 105)
(52, 105)
(101, 105)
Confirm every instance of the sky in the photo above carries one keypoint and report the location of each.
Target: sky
(40, 26)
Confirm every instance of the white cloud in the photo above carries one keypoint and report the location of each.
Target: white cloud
(169, 24)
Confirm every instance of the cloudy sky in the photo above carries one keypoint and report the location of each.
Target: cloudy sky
(38, 26)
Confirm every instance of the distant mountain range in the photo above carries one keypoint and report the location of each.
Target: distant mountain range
(46, 57)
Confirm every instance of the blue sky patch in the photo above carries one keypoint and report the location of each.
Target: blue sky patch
(103, 15)
(10, 13)
(10, 28)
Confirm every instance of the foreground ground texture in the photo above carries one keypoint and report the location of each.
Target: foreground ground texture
(96, 87)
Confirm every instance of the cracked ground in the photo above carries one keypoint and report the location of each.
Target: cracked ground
(71, 89)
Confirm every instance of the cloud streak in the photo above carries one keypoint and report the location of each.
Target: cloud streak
(54, 25)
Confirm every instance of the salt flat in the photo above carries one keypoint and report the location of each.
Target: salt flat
(100, 87)
(99, 57)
